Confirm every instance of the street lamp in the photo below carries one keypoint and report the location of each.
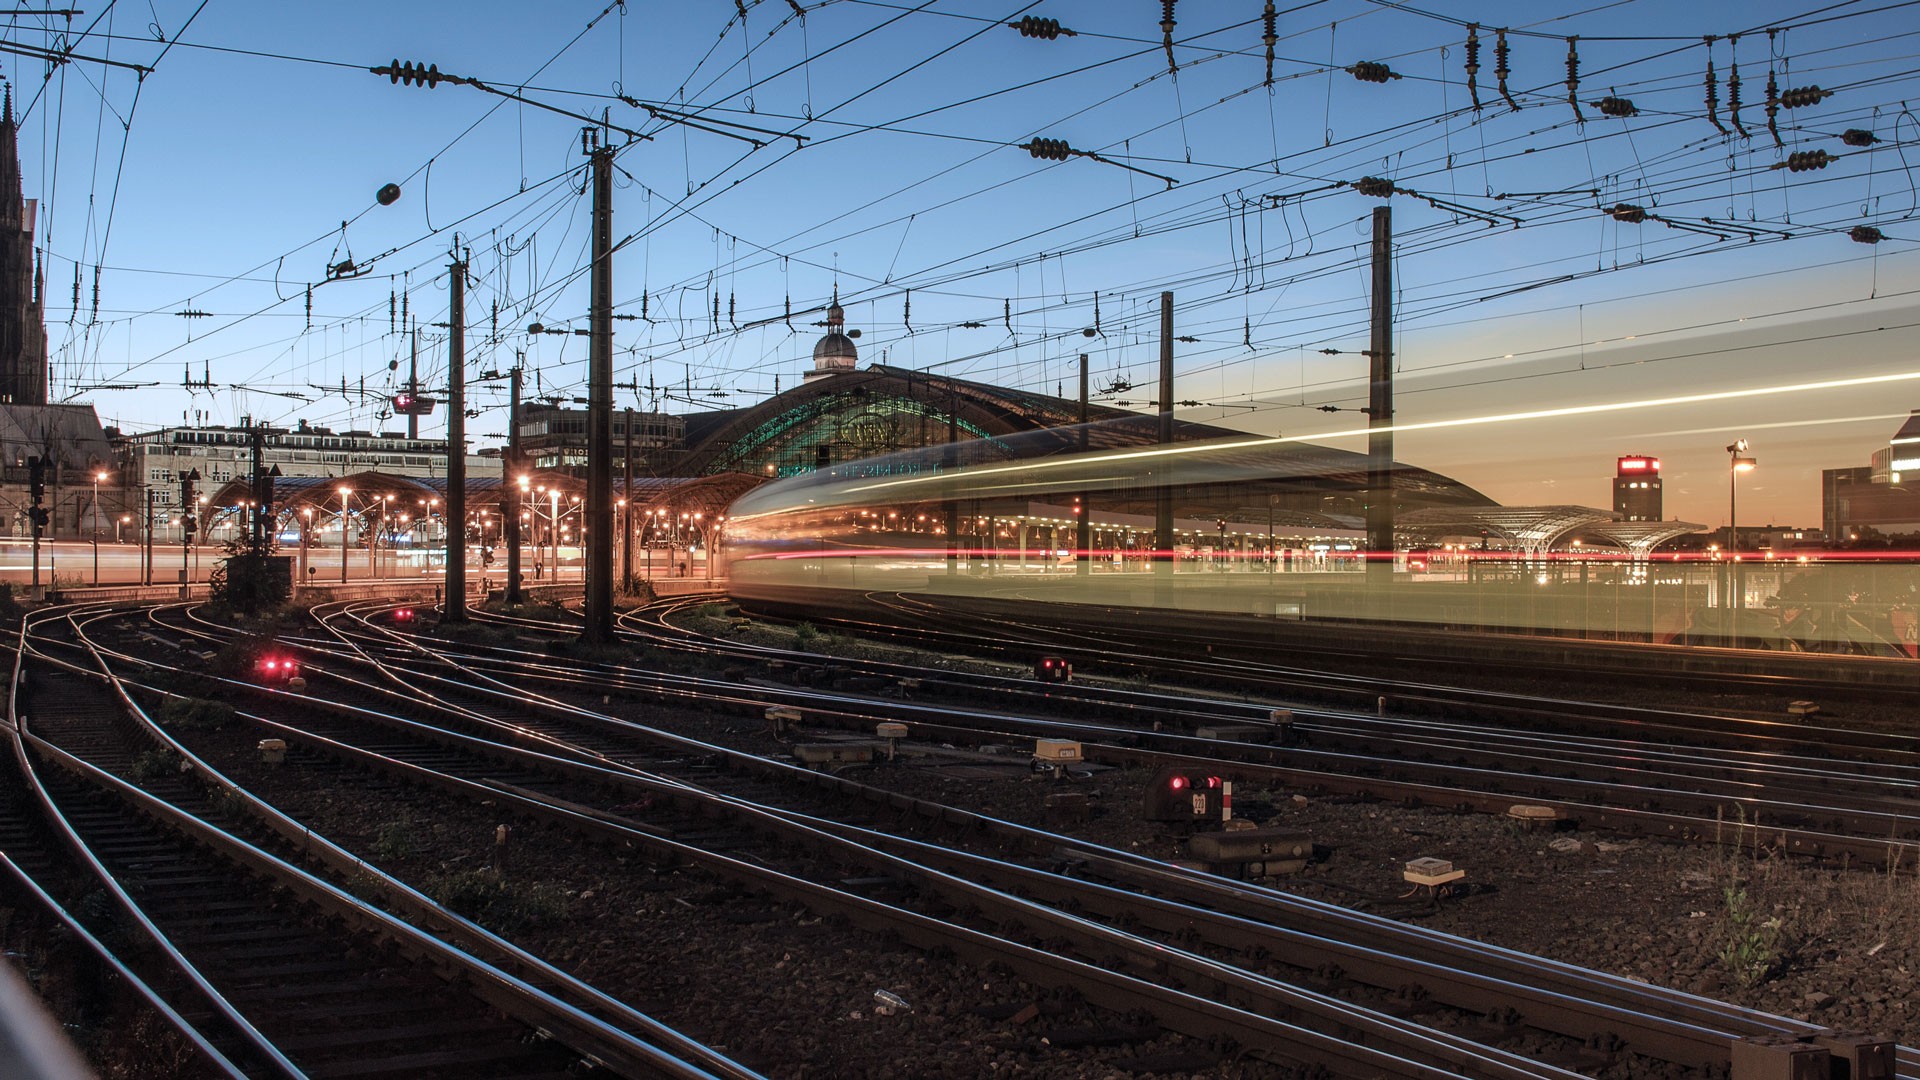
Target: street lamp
(1739, 462)
(118, 525)
(95, 510)
(345, 494)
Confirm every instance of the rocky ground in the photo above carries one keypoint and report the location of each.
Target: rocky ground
(1829, 944)
(793, 994)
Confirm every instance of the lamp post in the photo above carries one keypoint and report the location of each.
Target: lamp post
(553, 531)
(345, 494)
(95, 511)
(306, 535)
(119, 525)
(1739, 462)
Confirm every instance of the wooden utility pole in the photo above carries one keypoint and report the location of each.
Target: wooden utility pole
(599, 523)
(515, 469)
(456, 602)
(1163, 549)
(1380, 406)
(1083, 528)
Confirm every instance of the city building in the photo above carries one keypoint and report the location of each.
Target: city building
(1883, 497)
(1636, 488)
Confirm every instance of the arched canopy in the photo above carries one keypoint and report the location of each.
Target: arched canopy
(1523, 528)
(1639, 538)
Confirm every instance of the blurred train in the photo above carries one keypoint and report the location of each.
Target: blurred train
(1273, 530)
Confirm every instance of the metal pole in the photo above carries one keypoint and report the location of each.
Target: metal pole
(598, 523)
(515, 468)
(146, 553)
(455, 609)
(345, 494)
(1163, 554)
(95, 510)
(626, 512)
(1083, 528)
(1380, 407)
(413, 387)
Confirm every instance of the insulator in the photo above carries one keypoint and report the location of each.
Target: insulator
(411, 73)
(1807, 160)
(1166, 31)
(1048, 149)
(1713, 91)
(1616, 106)
(1269, 38)
(1033, 26)
(309, 307)
(1627, 212)
(1801, 96)
(1733, 89)
(1372, 71)
(730, 321)
(1374, 186)
(1865, 234)
(96, 292)
(1473, 64)
(1857, 137)
(393, 310)
(1573, 77)
(1501, 69)
(1773, 107)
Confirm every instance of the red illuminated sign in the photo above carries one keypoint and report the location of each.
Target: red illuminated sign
(1639, 464)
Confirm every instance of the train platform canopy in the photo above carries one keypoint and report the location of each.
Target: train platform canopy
(698, 494)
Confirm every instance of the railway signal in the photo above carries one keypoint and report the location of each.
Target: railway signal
(1178, 795)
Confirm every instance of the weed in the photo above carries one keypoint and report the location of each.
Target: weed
(196, 714)
(1750, 950)
(395, 840)
(501, 905)
(153, 764)
(804, 634)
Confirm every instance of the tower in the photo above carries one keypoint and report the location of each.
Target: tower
(23, 328)
(1636, 488)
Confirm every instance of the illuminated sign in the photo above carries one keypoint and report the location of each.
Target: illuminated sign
(1639, 464)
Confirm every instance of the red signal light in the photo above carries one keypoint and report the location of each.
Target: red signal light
(1177, 783)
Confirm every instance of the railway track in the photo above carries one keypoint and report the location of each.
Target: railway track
(600, 687)
(274, 970)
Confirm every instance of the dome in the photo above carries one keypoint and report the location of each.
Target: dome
(835, 347)
(834, 352)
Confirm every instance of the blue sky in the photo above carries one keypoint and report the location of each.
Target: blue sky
(223, 186)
